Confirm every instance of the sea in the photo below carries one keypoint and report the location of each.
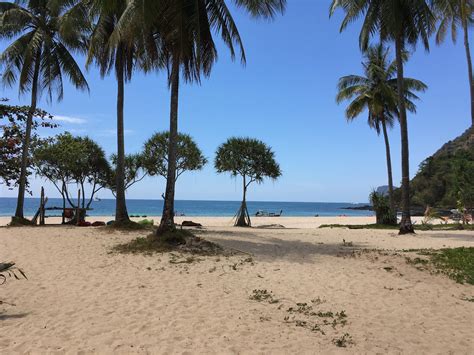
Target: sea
(106, 207)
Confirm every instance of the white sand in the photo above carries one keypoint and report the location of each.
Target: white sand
(82, 298)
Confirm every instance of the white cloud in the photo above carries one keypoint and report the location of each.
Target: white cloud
(68, 119)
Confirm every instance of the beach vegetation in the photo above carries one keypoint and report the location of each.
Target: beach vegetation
(155, 155)
(119, 50)
(402, 23)
(134, 172)
(384, 213)
(68, 161)
(184, 32)
(263, 296)
(452, 14)
(38, 58)
(376, 92)
(445, 179)
(251, 159)
(181, 240)
(456, 263)
(13, 121)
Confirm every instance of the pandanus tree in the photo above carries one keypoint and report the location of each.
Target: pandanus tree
(184, 30)
(155, 155)
(114, 52)
(403, 23)
(453, 13)
(253, 160)
(376, 92)
(37, 58)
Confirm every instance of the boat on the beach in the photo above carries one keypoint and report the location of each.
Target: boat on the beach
(262, 213)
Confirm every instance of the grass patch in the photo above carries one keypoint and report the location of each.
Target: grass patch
(419, 227)
(177, 240)
(129, 226)
(359, 226)
(457, 263)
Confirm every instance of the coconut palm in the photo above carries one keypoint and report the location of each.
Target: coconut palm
(185, 30)
(453, 13)
(376, 92)
(110, 52)
(402, 22)
(38, 58)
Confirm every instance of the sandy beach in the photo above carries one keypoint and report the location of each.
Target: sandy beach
(82, 298)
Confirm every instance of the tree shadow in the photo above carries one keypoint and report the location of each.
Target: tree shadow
(462, 237)
(12, 316)
(268, 248)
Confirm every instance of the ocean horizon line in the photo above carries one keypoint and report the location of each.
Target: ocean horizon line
(206, 200)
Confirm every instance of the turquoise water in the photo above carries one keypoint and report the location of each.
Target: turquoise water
(106, 207)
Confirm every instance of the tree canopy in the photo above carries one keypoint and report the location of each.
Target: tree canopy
(12, 125)
(155, 155)
(133, 171)
(67, 160)
(247, 157)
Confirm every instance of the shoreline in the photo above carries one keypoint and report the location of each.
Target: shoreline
(219, 221)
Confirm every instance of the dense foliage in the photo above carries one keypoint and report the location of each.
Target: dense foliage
(67, 160)
(12, 127)
(446, 179)
(155, 155)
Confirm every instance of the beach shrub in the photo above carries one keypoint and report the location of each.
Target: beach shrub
(253, 160)
(383, 212)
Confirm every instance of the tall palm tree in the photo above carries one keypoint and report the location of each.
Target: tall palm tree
(402, 22)
(453, 13)
(37, 59)
(185, 30)
(377, 93)
(112, 52)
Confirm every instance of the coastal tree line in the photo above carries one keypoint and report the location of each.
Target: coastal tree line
(121, 36)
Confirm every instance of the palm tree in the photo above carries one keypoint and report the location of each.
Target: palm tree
(376, 92)
(402, 22)
(112, 52)
(184, 30)
(37, 59)
(453, 13)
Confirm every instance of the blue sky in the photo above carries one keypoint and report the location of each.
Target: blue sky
(285, 96)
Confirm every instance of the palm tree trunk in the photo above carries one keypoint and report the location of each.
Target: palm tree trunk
(26, 143)
(469, 66)
(167, 219)
(405, 226)
(389, 171)
(121, 214)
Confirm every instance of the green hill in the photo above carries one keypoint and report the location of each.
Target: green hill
(447, 177)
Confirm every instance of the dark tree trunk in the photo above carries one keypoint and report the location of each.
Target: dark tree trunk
(389, 173)
(26, 143)
(469, 67)
(121, 214)
(167, 219)
(405, 226)
(242, 217)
